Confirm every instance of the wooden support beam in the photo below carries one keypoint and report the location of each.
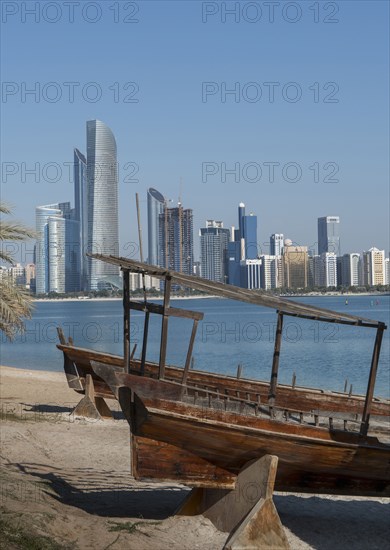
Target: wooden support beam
(145, 342)
(325, 319)
(61, 336)
(172, 312)
(247, 512)
(164, 328)
(275, 361)
(91, 406)
(189, 352)
(126, 320)
(371, 380)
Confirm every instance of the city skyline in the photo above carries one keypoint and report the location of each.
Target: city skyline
(173, 116)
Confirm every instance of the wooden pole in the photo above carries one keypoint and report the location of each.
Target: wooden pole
(275, 361)
(189, 352)
(126, 320)
(145, 342)
(371, 380)
(164, 328)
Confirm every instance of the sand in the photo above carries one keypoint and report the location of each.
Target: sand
(66, 484)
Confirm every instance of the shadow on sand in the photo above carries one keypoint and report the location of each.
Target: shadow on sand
(107, 494)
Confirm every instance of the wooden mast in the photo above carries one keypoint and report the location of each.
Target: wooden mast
(371, 380)
(126, 320)
(164, 327)
(275, 361)
(146, 322)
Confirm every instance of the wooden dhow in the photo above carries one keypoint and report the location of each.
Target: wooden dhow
(201, 429)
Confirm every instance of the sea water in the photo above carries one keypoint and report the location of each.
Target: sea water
(322, 355)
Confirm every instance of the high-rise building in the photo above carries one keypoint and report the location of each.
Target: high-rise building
(156, 204)
(270, 271)
(233, 258)
(328, 269)
(350, 269)
(57, 268)
(44, 251)
(251, 274)
(295, 265)
(102, 178)
(329, 235)
(213, 245)
(243, 246)
(176, 240)
(387, 271)
(276, 244)
(81, 213)
(250, 237)
(373, 267)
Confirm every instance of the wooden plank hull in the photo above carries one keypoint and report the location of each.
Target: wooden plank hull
(310, 458)
(78, 364)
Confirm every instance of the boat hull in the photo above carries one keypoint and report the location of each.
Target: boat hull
(311, 458)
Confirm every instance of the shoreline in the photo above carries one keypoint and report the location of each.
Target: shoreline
(204, 297)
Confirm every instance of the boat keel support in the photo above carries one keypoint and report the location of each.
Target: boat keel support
(247, 512)
(91, 406)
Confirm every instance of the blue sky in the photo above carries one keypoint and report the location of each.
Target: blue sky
(341, 122)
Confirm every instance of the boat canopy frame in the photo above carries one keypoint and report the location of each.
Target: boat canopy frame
(282, 306)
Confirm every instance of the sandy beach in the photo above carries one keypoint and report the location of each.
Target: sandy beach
(66, 484)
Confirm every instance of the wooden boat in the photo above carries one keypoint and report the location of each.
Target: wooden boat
(77, 365)
(218, 439)
(201, 429)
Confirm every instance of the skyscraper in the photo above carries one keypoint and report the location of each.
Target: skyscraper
(295, 265)
(81, 213)
(213, 245)
(176, 240)
(250, 236)
(156, 204)
(57, 267)
(276, 244)
(329, 235)
(374, 267)
(350, 269)
(102, 178)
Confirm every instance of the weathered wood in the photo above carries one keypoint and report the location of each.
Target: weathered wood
(371, 381)
(91, 406)
(61, 335)
(171, 312)
(334, 461)
(304, 399)
(144, 343)
(239, 371)
(164, 328)
(189, 352)
(275, 361)
(126, 319)
(175, 465)
(247, 512)
(235, 293)
(133, 352)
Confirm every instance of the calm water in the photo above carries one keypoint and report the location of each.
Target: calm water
(322, 355)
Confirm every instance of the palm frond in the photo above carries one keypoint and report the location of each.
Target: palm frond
(15, 302)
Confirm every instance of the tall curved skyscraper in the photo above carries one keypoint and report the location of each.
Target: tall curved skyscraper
(102, 178)
(156, 204)
(81, 213)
